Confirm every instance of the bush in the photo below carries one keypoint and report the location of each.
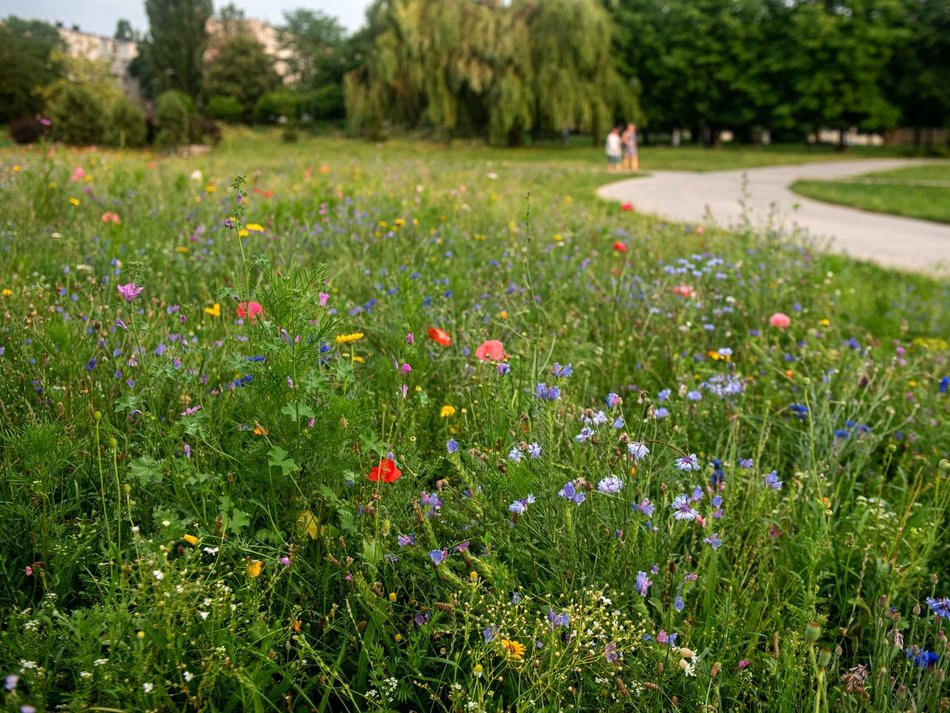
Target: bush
(126, 125)
(78, 116)
(225, 109)
(327, 102)
(26, 130)
(171, 119)
(274, 105)
(203, 131)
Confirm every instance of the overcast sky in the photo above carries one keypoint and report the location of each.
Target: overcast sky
(100, 16)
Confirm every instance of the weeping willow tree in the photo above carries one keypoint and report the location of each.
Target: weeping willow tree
(470, 66)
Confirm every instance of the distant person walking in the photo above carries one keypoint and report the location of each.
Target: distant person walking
(614, 149)
(631, 161)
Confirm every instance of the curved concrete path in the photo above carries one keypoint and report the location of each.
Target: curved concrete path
(763, 195)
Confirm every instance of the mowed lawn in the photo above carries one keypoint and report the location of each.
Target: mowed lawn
(917, 192)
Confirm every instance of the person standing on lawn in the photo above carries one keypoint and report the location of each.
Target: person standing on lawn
(614, 150)
(631, 161)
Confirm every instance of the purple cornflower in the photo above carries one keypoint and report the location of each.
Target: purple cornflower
(519, 507)
(562, 620)
(637, 450)
(746, 463)
(713, 541)
(534, 450)
(663, 395)
(503, 368)
(130, 291)
(547, 393)
(940, 607)
(613, 400)
(406, 540)
(661, 413)
(688, 463)
(618, 423)
(452, 445)
(514, 455)
(569, 492)
(438, 556)
(678, 603)
(697, 494)
(561, 372)
(772, 481)
(694, 396)
(610, 484)
(682, 509)
(643, 583)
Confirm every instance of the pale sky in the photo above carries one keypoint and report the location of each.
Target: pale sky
(100, 16)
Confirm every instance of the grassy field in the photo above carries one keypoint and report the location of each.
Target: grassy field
(917, 192)
(338, 426)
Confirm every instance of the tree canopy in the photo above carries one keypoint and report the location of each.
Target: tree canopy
(28, 55)
(173, 51)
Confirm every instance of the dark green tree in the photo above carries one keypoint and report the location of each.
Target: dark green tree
(241, 69)
(27, 58)
(173, 52)
(318, 49)
(123, 30)
(78, 116)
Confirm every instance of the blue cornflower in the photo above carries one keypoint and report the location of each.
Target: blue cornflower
(694, 396)
(663, 395)
(645, 506)
(438, 556)
(514, 454)
(599, 418)
(519, 507)
(638, 450)
(610, 484)
(569, 492)
(842, 433)
(503, 368)
(547, 393)
(772, 481)
(613, 400)
(697, 494)
(563, 620)
(940, 607)
(661, 413)
(583, 435)
(944, 384)
(713, 541)
(452, 445)
(922, 658)
(406, 540)
(746, 463)
(488, 634)
(618, 422)
(800, 410)
(561, 372)
(682, 509)
(643, 583)
(534, 450)
(678, 603)
(688, 462)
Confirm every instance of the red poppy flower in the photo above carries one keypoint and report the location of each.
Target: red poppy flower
(491, 350)
(627, 206)
(386, 471)
(250, 310)
(440, 336)
(620, 247)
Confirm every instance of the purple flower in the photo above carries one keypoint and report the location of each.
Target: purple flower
(406, 540)
(503, 368)
(940, 607)
(746, 463)
(678, 603)
(452, 445)
(547, 393)
(130, 291)
(613, 400)
(610, 484)
(562, 620)
(637, 450)
(682, 509)
(663, 395)
(561, 372)
(421, 618)
(438, 556)
(514, 454)
(610, 652)
(583, 435)
(694, 396)
(643, 583)
(772, 481)
(713, 541)
(661, 413)
(688, 463)
(697, 494)
(534, 450)
(488, 634)
(569, 492)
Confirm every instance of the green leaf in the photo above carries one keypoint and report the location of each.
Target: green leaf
(147, 470)
(277, 458)
(297, 411)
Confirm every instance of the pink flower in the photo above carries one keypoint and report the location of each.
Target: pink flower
(78, 174)
(744, 663)
(491, 350)
(130, 291)
(111, 217)
(780, 320)
(626, 207)
(250, 310)
(684, 291)
(620, 247)
(324, 298)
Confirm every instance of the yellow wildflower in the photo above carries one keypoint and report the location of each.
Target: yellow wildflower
(254, 568)
(349, 338)
(447, 411)
(825, 322)
(214, 311)
(182, 249)
(478, 670)
(243, 233)
(255, 227)
(514, 649)
(358, 359)
(74, 201)
(7, 292)
(190, 539)
(503, 314)
(211, 188)
(259, 430)
(17, 168)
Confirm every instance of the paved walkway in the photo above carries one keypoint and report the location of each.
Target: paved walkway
(763, 196)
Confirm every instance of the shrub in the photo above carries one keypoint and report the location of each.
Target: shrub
(171, 119)
(274, 105)
(78, 116)
(26, 130)
(126, 125)
(203, 131)
(225, 109)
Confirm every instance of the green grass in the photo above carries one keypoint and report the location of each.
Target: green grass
(916, 192)
(189, 507)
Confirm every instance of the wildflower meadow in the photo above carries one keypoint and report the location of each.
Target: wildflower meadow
(336, 426)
